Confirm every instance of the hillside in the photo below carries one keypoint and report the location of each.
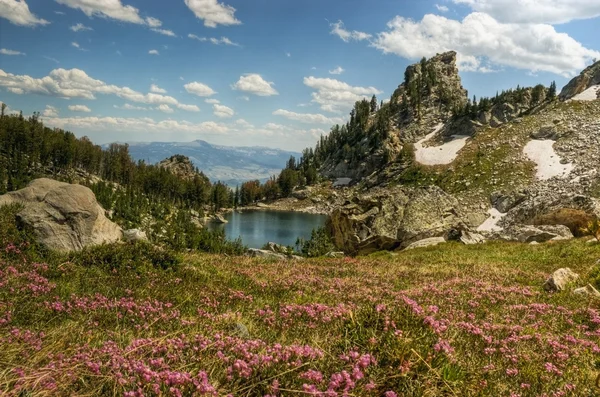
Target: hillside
(228, 164)
(453, 320)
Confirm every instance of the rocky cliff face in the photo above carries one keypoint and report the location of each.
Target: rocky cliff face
(589, 78)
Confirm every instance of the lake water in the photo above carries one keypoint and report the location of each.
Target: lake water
(256, 228)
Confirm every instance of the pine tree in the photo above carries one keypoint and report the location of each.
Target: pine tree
(373, 104)
(552, 90)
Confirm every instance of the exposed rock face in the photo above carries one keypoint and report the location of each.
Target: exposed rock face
(561, 279)
(63, 217)
(385, 219)
(179, 165)
(588, 290)
(588, 78)
(539, 234)
(134, 235)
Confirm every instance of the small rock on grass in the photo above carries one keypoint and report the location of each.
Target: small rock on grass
(561, 279)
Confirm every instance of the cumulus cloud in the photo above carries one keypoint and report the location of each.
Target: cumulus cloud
(538, 11)
(222, 111)
(79, 108)
(50, 111)
(188, 108)
(153, 52)
(128, 106)
(157, 90)
(212, 101)
(255, 84)
(212, 12)
(478, 37)
(307, 118)
(153, 22)
(442, 8)
(199, 89)
(339, 30)
(75, 44)
(80, 27)
(194, 37)
(4, 51)
(164, 108)
(338, 70)
(335, 96)
(113, 9)
(75, 83)
(17, 12)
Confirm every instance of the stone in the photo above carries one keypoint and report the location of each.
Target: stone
(63, 217)
(504, 202)
(335, 254)
(588, 78)
(257, 253)
(220, 219)
(134, 235)
(470, 238)
(240, 330)
(560, 280)
(277, 248)
(546, 132)
(588, 290)
(428, 242)
(540, 234)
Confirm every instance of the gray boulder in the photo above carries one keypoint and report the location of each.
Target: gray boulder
(560, 280)
(63, 217)
(470, 238)
(428, 242)
(539, 234)
(134, 235)
(588, 290)
(257, 253)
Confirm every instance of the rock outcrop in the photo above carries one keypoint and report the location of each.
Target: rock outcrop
(63, 217)
(392, 218)
(588, 78)
(179, 165)
(561, 279)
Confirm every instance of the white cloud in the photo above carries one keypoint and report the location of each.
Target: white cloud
(4, 51)
(243, 98)
(127, 106)
(243, 123)
(212, 101)
(50, 111)
(188, 108)
(80, 27)
(214, 40)
(442, 8)
(166, 32)
(335, 96)
(157, 90)
(339, 30)
(153, 52)
(17, 12)
(479, 37)
(307, 118)
(113, 9)
(338, 70)
(222, 111)
(59, 13)
(255, 84)
(75, 83)
(75, 44)
(212, 12)
(141, 125)
(223, 40)
(52, 59)
(165, 108)
(79, 108)
(536, 11)
(199, 89)
(153, 22)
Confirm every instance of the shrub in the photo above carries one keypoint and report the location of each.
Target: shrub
(318, 245)
(137, 256)
(576, 220)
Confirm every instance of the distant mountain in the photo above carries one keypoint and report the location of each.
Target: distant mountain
(229, 164)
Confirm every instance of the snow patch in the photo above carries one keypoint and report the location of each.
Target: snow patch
(439, 155)
(591, 94)
(548, 163)
(491, 223)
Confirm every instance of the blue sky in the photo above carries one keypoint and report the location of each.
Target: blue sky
(266, 72)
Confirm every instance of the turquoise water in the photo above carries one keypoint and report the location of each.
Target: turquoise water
(256, 228)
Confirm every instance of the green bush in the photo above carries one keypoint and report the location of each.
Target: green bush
(133, 256)
(318, 245)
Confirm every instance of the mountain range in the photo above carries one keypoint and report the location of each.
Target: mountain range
(228, 164)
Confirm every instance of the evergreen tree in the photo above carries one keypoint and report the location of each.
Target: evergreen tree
(373, 104)
(552, 90)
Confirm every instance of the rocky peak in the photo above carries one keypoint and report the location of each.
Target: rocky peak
(431, 87)
(179, 165)
(588, 78)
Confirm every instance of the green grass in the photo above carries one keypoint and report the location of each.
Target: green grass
(447, 320)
